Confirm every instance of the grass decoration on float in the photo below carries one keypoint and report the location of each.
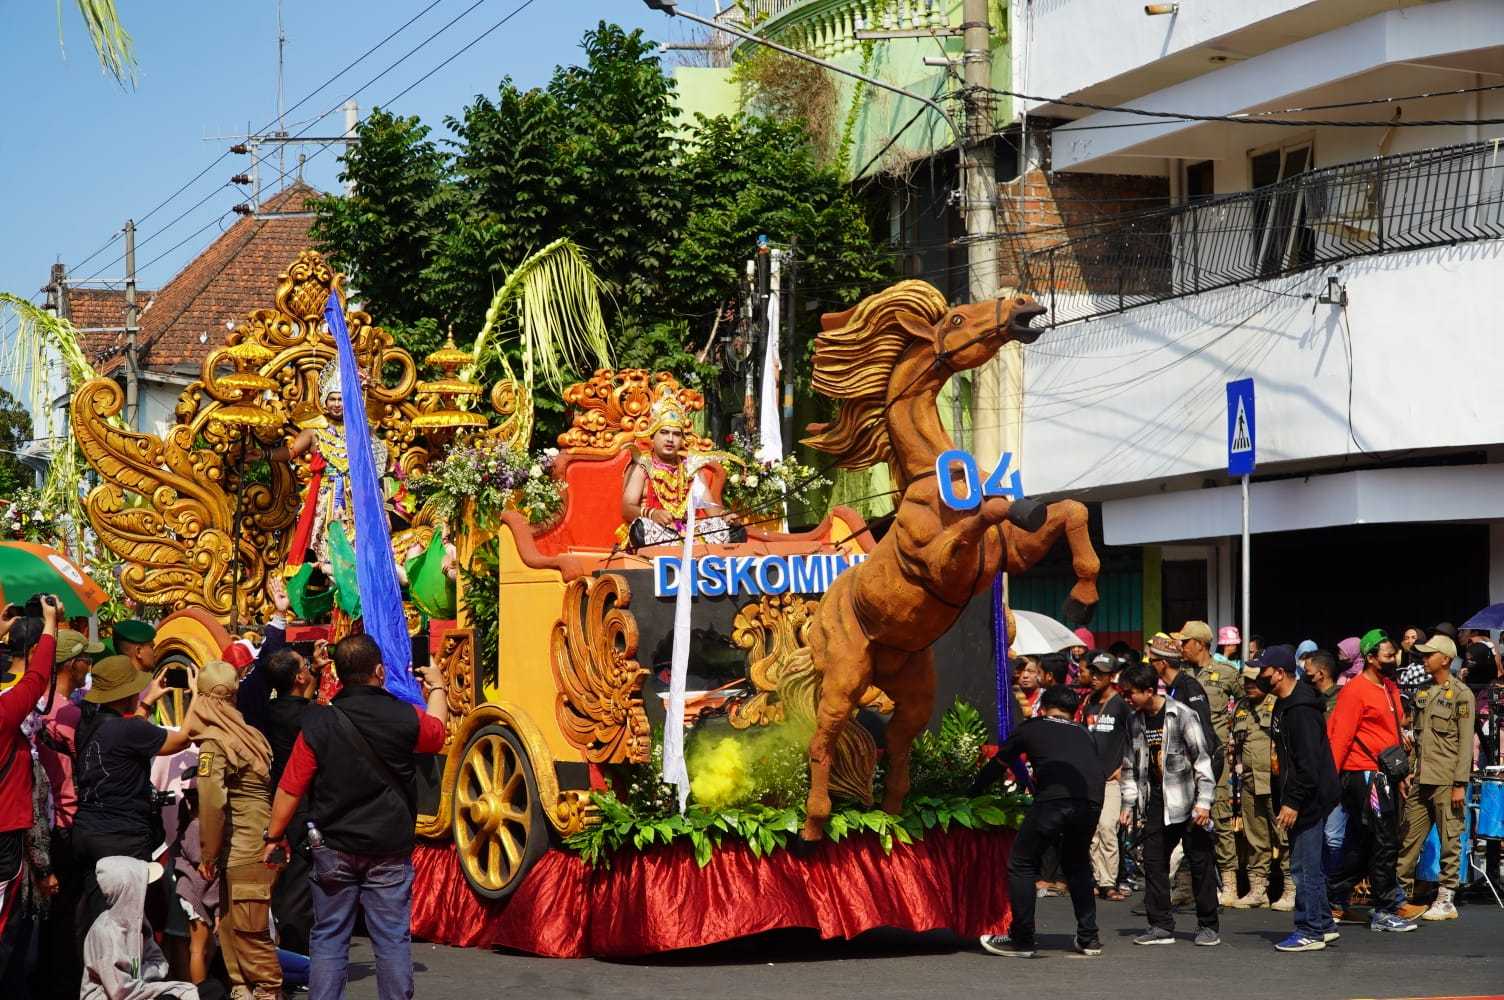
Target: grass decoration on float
(750, 785)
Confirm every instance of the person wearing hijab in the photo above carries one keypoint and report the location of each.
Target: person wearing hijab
(121, 959)
(234, 797)
(1349, 652)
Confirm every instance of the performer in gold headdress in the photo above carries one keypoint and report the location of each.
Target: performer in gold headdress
(655, 493)
(327, 525)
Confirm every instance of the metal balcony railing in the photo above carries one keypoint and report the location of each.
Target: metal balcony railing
(1437, 197)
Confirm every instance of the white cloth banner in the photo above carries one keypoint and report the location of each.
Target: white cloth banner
(675, 770)
(769, 430)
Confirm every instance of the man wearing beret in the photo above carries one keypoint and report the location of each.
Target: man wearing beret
(135, 640)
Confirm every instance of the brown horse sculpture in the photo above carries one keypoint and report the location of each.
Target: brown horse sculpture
(886, 361)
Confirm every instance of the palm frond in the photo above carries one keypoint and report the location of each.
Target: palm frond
(111, 41)
(40, 338)
(555, 299)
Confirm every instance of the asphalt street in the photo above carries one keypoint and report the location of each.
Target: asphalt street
(1459, 958)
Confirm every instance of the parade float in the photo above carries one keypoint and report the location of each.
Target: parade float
(815, 684)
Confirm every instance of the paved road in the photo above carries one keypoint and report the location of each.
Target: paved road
(1461, 958)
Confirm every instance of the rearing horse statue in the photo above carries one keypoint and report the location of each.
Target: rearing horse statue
(886, 361)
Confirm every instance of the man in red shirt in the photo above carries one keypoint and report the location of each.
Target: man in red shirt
(16, 705)
(354, 760)
(1365, 723)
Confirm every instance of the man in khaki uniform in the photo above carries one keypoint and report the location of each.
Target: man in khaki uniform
(1222, 685)
(1252, 726)
(1444, 716)
(234, 795)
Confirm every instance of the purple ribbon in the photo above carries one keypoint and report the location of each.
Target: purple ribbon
(1000, 661)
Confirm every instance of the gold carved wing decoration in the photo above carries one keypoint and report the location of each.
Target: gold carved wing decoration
(594, 645)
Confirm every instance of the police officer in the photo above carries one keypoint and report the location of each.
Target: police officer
(1443, 762)
(234, 795)
(1222, 686)
(1252, 727)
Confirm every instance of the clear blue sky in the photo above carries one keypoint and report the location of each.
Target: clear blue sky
(79, 155)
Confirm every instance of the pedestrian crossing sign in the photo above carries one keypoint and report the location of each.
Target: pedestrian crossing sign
(1241, 436)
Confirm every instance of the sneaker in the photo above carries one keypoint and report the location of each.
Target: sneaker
(1001, 944)
(1409, 911)
(1207, 937)
(1299, 942)
(1442, 909)
(1089, 946)
(1330, 936)
(1155, 935)
(1383, 921)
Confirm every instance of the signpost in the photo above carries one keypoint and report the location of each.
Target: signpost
(1241, 443)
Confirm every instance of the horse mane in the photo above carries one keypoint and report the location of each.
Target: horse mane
(854, 358)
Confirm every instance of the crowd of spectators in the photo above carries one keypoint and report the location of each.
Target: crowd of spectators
(1302, 780)
(291, 806)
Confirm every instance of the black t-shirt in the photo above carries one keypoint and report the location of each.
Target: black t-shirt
(1063, 757)
(113, 776)
(1108, 725)
(1154, 739)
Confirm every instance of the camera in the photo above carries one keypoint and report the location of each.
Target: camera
(161, 799)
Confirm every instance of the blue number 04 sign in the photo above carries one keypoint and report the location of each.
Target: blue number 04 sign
(1002, 482)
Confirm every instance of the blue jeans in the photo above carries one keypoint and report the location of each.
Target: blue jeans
(382, 886)
(1313, 913)
(1334, 833)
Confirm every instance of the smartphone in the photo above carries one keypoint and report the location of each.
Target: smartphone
(278, 857)
(304, 648)
(176, 677)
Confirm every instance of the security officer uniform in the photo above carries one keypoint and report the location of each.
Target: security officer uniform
(1222, 684)
(234, 809)
(1252, 726)
(1444, 715)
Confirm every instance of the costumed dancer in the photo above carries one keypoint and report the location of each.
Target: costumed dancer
(655, 492)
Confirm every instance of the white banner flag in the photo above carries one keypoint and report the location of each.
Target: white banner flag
(675, 770)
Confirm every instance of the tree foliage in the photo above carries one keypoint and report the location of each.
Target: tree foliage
(667, 216)
(15, 434)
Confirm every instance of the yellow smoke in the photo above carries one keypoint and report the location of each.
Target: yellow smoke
(724, 766)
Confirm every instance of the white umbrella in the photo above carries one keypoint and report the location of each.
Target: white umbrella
(1037, 634)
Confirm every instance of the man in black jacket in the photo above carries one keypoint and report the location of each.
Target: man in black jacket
(1306, 788)
(1068, 783)
(355, 761)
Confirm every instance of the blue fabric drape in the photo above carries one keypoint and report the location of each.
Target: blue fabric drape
(380, 593)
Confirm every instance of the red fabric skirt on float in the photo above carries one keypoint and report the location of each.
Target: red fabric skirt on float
(661, 900)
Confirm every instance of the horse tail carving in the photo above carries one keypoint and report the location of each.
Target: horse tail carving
(854, 359)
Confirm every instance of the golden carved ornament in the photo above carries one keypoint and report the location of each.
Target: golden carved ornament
(176, 509)
(457, 662)
(773, 630)
(610, 409)
(599, 704)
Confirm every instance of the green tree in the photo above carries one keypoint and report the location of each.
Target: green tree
(15, 434)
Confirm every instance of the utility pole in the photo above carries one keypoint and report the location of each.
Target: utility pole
(352, 129)
(132, 328)
(994, 406)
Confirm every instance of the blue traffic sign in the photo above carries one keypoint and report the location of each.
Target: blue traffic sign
(1241, 436)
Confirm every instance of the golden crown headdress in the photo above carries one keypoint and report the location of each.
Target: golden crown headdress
(666, 411)
(329, 381)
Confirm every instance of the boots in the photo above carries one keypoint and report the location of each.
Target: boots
(1286, 901)
(1258, 894)
(1182, 894)
(1443, 908)
(1229, 894)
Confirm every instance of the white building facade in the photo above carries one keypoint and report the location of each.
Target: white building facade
(1349, 261)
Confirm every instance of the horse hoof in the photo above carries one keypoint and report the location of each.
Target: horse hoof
(1029, 515)
(812, 833)
(1076, 614)
(803, 848)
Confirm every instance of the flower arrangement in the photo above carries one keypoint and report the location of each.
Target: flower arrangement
(497, 478)
(758, 490)
(25, 518)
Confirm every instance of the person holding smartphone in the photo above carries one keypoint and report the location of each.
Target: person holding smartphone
(16, 704)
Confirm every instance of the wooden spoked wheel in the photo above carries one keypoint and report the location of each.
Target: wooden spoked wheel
(499, 827)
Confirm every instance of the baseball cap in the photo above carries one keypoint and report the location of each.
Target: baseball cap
(1371, 640)
(1228, 635)
(115, 677)
(1164, 647)
(1103, 663)
(1438, 643)
(72, 644)
(1200, 631)
(1279, 657)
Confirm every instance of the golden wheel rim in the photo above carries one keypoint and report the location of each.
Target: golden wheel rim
(492, 811)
